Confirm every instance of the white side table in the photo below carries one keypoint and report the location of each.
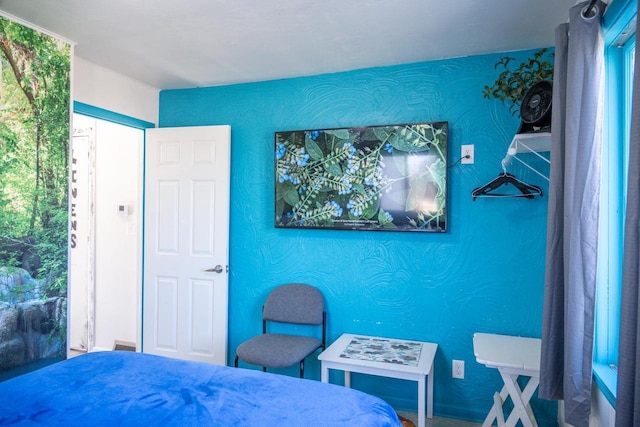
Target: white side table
(512, 357)
(387, 357)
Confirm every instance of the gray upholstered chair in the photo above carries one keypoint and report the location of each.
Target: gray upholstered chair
(291, 303)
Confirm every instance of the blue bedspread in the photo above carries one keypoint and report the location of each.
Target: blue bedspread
(124, 388)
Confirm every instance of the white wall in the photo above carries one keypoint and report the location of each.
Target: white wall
(107, 89)
(602, 413)
(118, 238)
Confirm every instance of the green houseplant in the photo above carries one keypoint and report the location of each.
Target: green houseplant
(512, 83)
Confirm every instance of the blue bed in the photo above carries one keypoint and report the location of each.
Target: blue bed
(125, 388)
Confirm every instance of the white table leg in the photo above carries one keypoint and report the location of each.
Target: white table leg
(497, 403)
(324, 373)
(490, 417)
(430, 394)
(421, 402)
(496, 409)
(347, 379)
(521, 410)
(529, 389)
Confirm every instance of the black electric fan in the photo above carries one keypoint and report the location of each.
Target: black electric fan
(535, 110)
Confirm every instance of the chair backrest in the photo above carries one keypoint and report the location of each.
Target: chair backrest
(294, 303)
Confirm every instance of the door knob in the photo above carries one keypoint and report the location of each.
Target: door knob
(217, 269)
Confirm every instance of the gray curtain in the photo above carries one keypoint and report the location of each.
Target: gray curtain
(572, 224)
(628, 398)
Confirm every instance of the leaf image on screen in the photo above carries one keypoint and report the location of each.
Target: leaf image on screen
(365, 178)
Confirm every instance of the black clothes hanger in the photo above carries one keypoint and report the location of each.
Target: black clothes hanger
(526, 190)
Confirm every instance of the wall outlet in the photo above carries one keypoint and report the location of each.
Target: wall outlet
(457, 370)
(467, 154)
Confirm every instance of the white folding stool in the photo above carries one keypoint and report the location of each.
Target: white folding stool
(512, 357)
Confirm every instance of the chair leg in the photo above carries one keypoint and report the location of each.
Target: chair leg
(302, 368)
(235, 362)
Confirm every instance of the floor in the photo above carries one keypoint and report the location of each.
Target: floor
(439, 421)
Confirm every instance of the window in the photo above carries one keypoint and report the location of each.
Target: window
(619, 32)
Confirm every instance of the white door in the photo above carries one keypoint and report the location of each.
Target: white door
(185, 289)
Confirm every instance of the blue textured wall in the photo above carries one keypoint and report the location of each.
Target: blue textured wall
(485, 274)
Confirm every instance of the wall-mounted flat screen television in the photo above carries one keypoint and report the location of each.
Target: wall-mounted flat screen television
(363, 178)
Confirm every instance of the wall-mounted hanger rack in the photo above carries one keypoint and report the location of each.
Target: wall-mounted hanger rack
(529, 142)
(532, 142)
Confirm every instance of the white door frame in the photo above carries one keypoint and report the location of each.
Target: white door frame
(109, 116)
(87, 238)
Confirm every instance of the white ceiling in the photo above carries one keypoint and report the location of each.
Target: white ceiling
(172, 44)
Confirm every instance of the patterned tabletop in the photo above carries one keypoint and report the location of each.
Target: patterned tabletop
(383, 350)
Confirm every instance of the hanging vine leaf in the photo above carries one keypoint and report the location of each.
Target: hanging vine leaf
(334, 169)
(314, 150)
(289, 193)
(409, 139)
(339, 133)
(372, 209)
